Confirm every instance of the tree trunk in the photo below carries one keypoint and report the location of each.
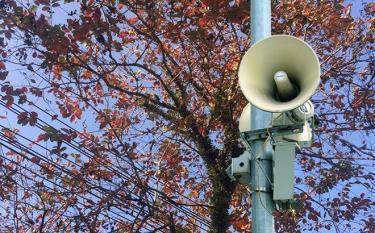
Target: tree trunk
(220, 200)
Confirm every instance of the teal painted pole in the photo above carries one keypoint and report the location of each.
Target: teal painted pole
(261, 166)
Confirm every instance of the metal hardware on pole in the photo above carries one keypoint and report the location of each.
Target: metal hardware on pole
(282, 120)
(261, 161)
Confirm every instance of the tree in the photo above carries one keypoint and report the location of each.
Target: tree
(151, 88)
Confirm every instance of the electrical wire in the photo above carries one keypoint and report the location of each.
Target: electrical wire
(78, 165)
(188, 212)
(45, 148)
(121, 158)
(40, 157)
(62, 187)
(118, 220)
(34, 153)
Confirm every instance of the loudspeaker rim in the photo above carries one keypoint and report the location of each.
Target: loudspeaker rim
(281, 108)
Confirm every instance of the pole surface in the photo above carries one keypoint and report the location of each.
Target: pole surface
(261, 167)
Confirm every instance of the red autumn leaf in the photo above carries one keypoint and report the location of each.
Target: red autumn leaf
(78, 113)
(9, 153)
(33, 118)
(54, 117)
(35, 160)
(202, 22)
(72, 118)
(3, 75)
(44, 2)
(313, 217)
(40, 138)
(133, 20)
(10, 101)
(122, 34)
(36, 91)
(22, 118)
(26, 194)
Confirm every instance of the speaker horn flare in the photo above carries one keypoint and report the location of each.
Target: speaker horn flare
(261, 81)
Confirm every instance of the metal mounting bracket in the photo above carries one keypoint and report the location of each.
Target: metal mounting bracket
(272, 132)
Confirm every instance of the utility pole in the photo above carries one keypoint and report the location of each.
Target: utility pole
(261, 165)
(278, 118)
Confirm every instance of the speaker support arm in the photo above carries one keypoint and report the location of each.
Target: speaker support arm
(273, 131)
(284, 135)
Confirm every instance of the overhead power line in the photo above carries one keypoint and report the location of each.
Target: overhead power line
(15, 111)
(118, 168)
(118, 220)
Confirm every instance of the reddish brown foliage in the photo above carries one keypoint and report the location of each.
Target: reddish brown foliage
(153, 84)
